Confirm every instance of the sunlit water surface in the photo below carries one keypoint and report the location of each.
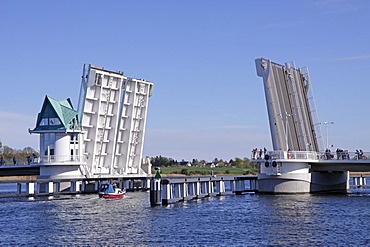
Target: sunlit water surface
(246, 220)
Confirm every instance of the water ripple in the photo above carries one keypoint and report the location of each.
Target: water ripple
(248, 220)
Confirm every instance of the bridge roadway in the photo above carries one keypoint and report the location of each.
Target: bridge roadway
(317, 161)
(341, 165)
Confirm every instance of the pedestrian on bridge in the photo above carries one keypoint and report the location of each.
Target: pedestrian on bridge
(2, 162)
(14, 160)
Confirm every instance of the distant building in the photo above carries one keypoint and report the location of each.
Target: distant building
(210, 164)
(184, 163)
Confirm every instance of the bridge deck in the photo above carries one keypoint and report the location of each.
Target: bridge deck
(21, 170)
(341, 165)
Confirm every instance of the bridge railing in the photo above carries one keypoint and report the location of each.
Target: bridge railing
(301, 155)
(60, 159)
(311, 155)
(43, 159)
(344, 155)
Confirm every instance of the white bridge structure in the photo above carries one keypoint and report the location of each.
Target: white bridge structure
(113, 111)
(104, 137)
(299, 163)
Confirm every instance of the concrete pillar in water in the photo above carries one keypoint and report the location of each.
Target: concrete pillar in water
(78, 186)
(221, 187)
(239, 187)
(72, 187)
(19, 188)
(185, 190)
(155, 190)
(38, 186)
(144, 184)
(197, 189)
(126, 184)
(83, 186)
(57, 187)
(96, 185)
(210, 187)
(30, 188)
(50, 187)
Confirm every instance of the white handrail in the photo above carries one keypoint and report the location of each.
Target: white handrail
(311, 155)
(60, 159)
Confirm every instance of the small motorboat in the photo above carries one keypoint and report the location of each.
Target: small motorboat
(109, 191)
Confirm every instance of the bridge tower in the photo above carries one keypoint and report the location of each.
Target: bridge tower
(60, 146)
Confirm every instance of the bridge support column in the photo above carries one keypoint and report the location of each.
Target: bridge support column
(83, 186)
(253, 184)
(221, 187)
(30, 188)
(126, 184)
(144, 184)
(19, 188)
(72, 186)
(178, 190)
(78, 186)
(50, 188)
(96, 185)
(210, 187)
(166, 193)
(239, 187)
(147, 186)
(131, 185)
(185, 190)
(57, 187)
(197, 189)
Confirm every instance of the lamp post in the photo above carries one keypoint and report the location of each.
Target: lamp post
(327, 132)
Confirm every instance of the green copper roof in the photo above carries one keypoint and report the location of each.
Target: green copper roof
(54, 109)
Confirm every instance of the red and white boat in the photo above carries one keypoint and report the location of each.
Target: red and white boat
(109, 191)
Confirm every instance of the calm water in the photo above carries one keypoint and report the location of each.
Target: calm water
(247, 220)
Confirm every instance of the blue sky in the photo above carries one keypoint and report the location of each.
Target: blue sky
(207, 101)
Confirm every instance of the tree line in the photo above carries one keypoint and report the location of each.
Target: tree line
(159, 161)
(9, 153)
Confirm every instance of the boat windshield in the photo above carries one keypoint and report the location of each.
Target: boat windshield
(107, 188)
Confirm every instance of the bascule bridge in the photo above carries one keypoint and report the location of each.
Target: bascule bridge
(299, 163)
(113, 111)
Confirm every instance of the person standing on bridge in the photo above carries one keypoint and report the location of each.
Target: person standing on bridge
(14, 161)
(2, 162)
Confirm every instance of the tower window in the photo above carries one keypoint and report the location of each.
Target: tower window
(54, 121)
(44, 122)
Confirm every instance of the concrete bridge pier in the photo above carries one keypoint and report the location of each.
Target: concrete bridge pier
(166, 193)
(220, 187)
(30, 188)
(239, 187)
